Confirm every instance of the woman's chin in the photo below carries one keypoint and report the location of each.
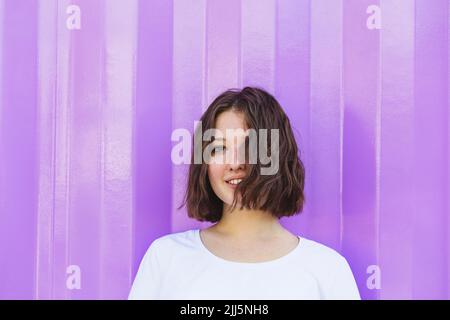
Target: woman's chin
(229, 202)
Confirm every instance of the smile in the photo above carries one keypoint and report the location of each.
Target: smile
(234, 181)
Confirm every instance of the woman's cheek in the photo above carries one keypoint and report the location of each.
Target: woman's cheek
(214, 174)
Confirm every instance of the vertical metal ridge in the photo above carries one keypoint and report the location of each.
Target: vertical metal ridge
(378, 147)
(448, 152)
(205, 85)
(102, 101)
(46, 102)
(119, 73)
(341, 131)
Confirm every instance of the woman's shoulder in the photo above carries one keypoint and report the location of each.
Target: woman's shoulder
(173, 241)
(332, 269)
(318, 252)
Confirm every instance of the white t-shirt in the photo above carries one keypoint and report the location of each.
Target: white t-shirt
(178, 266)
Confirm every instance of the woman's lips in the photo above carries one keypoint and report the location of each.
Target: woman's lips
(233, 185)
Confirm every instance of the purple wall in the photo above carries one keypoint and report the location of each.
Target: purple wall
(86, 117)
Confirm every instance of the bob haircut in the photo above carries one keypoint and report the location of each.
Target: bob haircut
(281, 194)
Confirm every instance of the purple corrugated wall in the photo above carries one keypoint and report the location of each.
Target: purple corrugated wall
(87, 113)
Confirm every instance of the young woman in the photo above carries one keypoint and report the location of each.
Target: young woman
(246, 253)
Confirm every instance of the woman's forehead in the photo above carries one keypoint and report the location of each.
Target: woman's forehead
(231, 120)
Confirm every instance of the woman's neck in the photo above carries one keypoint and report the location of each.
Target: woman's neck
(249, 224)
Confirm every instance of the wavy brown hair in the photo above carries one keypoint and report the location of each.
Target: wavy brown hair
(281, 194)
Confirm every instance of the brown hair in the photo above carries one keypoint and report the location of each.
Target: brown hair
(280, 194)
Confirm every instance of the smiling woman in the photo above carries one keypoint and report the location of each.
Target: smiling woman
(246, 253)
(280, 192)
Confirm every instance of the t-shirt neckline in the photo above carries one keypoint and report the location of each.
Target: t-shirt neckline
(281, 259)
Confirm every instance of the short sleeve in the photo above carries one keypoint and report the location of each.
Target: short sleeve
(343, 285)
(146, 283)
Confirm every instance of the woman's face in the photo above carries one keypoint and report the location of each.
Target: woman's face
(224, 175)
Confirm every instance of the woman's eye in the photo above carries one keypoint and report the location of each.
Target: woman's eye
(218, 149)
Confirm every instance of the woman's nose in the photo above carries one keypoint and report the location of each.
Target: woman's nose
(237, 159)
(237, 166)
